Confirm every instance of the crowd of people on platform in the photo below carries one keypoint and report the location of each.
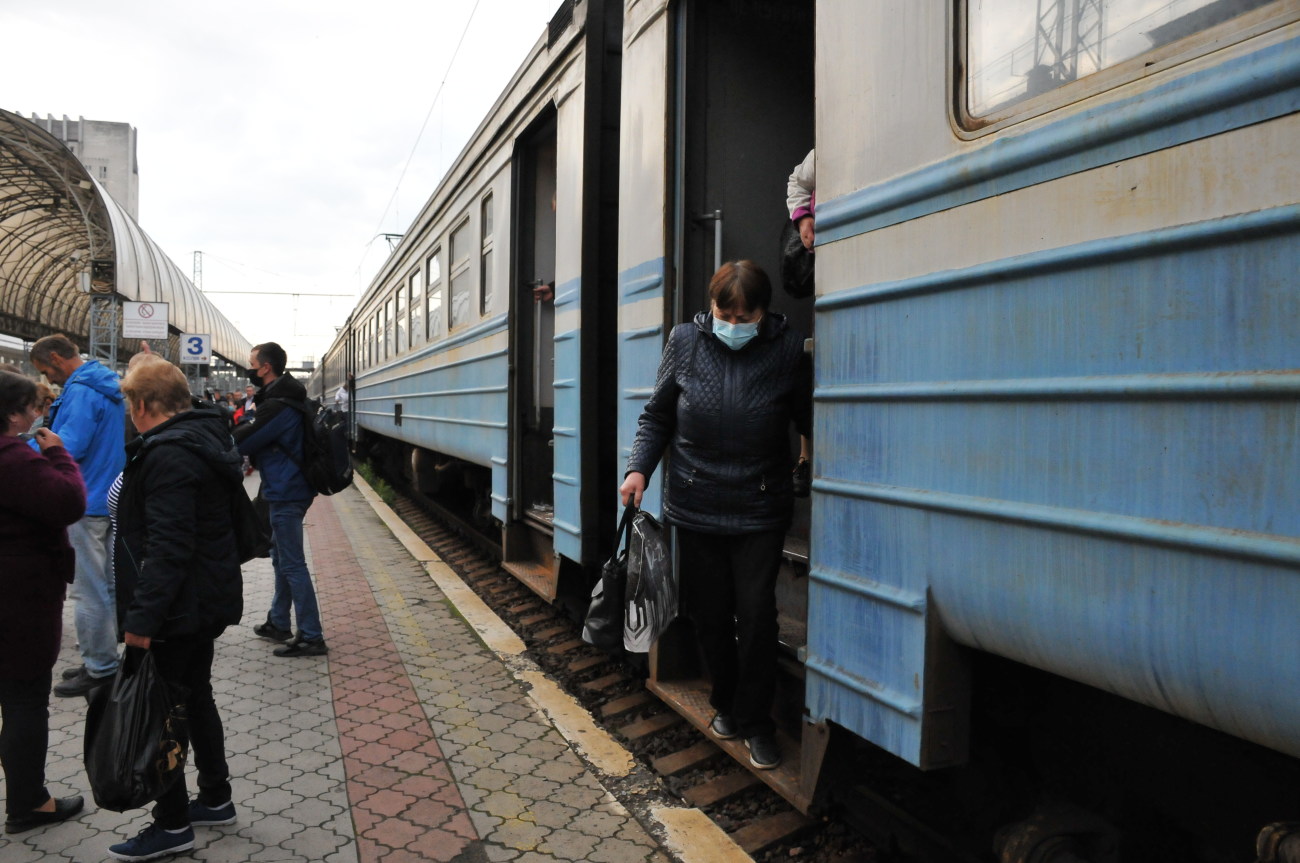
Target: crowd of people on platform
(138, 480)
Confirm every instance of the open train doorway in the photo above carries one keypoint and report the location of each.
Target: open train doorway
(528, 539)
(744, 107)
(743, 118)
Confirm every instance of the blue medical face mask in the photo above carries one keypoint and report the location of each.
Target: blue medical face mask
(734, 336)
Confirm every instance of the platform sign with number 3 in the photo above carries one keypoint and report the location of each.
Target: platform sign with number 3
(196, 348)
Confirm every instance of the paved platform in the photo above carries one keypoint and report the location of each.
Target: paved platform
(424, 735)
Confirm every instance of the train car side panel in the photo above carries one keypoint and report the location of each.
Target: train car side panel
(1056, 388)
(642, 241)
(567, 476)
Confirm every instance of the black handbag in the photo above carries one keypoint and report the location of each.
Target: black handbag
(798, 264)
(137, 735)
(603, 625)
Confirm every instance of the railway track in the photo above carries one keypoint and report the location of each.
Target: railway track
(689, 764)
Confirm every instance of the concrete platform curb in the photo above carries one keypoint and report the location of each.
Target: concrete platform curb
(685, 832)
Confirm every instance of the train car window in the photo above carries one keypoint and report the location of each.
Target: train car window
(1017, 49)
(461, 286)
(415, 302)
(433, 313)
(485, 268)
(388, 328)
(400, 320)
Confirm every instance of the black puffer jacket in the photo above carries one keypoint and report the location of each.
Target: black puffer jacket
(724, 417)
(175, 560)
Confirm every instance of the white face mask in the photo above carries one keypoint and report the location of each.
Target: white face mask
(734, 336)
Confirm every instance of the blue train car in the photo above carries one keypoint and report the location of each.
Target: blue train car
(475, 349)
(1056, 361)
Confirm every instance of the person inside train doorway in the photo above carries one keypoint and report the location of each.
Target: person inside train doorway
(730, 383)
(274, 442)
(90, 417)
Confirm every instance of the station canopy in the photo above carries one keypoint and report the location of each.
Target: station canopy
(63, 239)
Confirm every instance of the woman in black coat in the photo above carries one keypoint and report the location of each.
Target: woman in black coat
(730, 384)
(46, 494)
(178, 578)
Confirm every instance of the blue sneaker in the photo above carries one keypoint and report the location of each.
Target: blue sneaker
(211, 816)
(152, 843)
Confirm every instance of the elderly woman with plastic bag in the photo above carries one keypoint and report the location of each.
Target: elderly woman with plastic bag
(45, 495)
(178, 579)
(730, 384)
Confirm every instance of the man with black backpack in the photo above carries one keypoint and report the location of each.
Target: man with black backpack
(276, 440)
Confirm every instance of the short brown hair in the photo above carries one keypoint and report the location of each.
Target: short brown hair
(741, 284)
(158, 386)
(17, 393)
(55, 344)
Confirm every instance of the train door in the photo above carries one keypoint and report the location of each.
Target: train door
(528, 538)
(744, 120)
(742, 110)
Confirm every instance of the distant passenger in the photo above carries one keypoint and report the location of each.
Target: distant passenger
(90, 418)
(801, 198)
(801, 201)
(341, 397)
(730, 383)
(274, 442)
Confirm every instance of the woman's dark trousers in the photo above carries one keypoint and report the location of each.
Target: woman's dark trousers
(24, 738)
(728, 588)
(187, 662)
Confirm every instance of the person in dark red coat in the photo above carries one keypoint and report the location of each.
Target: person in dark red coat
(46, 494)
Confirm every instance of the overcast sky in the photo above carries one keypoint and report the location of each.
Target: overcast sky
(273, 134)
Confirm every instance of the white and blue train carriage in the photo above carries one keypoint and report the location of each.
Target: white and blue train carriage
(1056, 418)
(1055, 353)
(466, 381)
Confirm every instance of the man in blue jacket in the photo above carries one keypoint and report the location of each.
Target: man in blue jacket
(90, 417)
(274, 442)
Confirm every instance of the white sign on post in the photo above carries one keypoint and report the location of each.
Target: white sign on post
(196, 348)
(144, 320)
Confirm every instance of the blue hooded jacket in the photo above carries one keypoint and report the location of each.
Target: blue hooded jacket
(90, 416)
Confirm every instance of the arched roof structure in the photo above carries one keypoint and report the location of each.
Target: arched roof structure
(61, 232)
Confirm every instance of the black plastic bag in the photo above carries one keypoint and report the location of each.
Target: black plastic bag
(137, 735)
(603, 625)
(651, 590)
(797, 264)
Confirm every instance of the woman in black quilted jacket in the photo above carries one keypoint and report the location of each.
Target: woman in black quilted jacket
(730, 384)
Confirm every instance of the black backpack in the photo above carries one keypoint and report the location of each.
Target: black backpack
(326, 465)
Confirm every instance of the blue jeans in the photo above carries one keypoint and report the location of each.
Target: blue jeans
(94, 595)
(292, 580)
